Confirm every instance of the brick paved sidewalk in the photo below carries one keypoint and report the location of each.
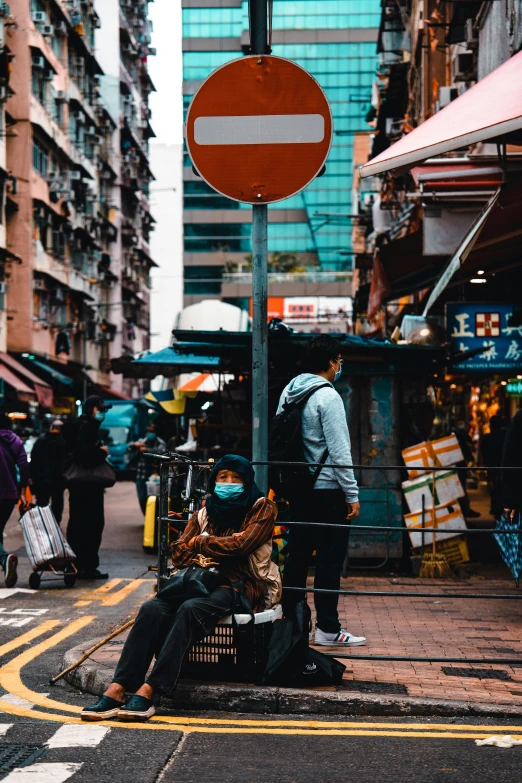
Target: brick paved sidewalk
(421, 627)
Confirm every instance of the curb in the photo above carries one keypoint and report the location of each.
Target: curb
(95, 678)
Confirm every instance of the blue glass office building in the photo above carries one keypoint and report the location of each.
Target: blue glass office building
(335, 40)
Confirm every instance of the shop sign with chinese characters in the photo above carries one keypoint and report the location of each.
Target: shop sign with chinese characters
(489, 326)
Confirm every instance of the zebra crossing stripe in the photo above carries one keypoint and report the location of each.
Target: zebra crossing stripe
(4, 727)
(43, 773)
(77, 736)
(18, 701)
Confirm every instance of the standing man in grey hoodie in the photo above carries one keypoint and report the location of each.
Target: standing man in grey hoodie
(334, 497)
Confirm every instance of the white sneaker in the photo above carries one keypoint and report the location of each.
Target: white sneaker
(341, 639)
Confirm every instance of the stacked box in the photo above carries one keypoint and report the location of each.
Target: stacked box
(447, 451)
(419, 455)
(447, 489)
(447, 517)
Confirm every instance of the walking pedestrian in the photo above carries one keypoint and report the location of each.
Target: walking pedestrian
(466, 446)
(47, 459)
(512, 458)
(143, 465)
(334, 497)
(491, 449)
(14, 477)
(86, 511)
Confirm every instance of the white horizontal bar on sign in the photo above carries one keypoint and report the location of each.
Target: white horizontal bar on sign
(260, 129)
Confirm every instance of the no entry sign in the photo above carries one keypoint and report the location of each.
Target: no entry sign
(259, 129)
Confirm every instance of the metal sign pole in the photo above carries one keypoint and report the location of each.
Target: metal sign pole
(259, 45)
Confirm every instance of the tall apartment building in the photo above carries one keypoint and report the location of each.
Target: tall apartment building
(79, 219)
(309, 235)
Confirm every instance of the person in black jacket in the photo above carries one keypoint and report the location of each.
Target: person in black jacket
(86, 512)
(47, 458)
(512, 458)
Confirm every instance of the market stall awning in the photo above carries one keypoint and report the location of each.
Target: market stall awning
(56, 376)
(171, 357)
(42, 390)
(491, 108)
(23, 391)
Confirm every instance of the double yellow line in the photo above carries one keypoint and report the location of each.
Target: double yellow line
(11, 681)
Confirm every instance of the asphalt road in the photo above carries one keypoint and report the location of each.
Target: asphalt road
(35, 718)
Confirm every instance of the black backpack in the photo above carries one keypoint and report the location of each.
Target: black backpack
(285, 444)
(291, 662)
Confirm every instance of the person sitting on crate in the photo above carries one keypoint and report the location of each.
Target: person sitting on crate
(230, 543)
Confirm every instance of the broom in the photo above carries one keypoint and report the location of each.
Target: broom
(434, 565)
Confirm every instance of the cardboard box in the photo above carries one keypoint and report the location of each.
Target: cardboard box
(447, 517)
(456, 550)
(447, 451)
(447, 488)
(421, 456)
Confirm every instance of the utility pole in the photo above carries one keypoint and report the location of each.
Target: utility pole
(259, 45)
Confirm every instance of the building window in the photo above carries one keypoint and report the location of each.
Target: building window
(40, 158)
(39, 83)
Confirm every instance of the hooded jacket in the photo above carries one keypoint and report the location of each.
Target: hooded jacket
(324, 425)
(12, 452)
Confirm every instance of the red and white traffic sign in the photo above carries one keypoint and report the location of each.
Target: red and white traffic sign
(259, 129)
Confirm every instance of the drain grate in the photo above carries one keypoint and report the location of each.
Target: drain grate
(373, 687)
(13, 756)
(480, 674)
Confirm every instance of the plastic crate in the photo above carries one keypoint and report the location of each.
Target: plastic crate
(231, 654)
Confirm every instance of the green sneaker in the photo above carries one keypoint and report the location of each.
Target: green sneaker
(104, 709)
(138, 708)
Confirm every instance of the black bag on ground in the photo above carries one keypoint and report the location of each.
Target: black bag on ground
(291, 662)
(285, 444)
(194, 582)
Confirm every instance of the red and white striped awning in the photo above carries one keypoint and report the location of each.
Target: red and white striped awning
(202, 382)
(491, 108)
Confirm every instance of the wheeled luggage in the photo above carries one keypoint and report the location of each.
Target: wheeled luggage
(46, 546)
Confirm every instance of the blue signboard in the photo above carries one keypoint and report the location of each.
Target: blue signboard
(489, 326)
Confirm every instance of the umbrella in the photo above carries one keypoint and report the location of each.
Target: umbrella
(511, 544)
(202, 382)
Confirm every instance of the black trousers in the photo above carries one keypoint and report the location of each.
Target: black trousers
(86, 523)
(51, 492)
(6, 509)
(330, 545)
(168, 629)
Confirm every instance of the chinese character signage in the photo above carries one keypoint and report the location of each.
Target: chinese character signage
(489, 326)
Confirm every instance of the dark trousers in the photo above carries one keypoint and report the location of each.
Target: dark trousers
(6, 509)
(86, 523)
(330, 545)
(141, 489)
(168, 629)
(51, 492)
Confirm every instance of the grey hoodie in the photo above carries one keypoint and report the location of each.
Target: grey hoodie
(324, 426)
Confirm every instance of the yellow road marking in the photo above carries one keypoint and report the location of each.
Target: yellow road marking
(12, 709)
(10, 680)
(25, 638)
(107, 587)
(120, 595)
(107, 595)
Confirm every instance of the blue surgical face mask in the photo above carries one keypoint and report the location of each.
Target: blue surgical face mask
(151, 436)
(338, 373)
(228, 491)
(99, 416)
